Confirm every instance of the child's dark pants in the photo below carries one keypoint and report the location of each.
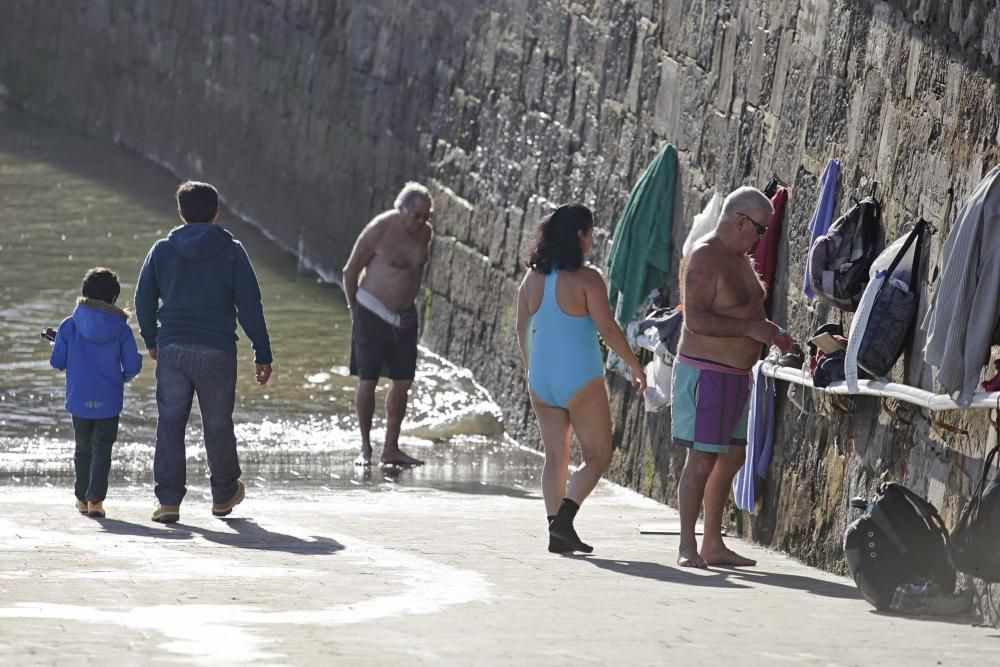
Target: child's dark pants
(94, 438)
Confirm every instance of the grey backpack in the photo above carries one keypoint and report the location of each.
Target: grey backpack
(839, 261)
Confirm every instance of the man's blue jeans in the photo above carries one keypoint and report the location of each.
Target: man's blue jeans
(181, 372)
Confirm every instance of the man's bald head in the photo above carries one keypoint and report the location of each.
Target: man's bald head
(748, 201)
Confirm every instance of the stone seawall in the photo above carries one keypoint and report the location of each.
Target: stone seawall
(309, 115)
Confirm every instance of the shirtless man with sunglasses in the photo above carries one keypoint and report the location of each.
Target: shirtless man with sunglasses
(725, 326)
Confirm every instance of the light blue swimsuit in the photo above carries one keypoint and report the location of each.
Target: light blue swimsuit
(564, 353)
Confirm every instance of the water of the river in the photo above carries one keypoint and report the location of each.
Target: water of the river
(68, 203)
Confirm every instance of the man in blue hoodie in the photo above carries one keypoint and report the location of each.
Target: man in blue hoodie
(193, 287)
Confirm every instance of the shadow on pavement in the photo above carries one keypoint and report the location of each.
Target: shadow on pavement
(119, 527)
(249, 535)
(722, 577)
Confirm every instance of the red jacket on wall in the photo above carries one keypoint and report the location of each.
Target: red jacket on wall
(765, 253)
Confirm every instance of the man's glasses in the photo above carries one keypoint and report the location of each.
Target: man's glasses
(761, 229)
(423, 218)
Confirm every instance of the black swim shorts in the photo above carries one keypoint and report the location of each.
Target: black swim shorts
(379, 349)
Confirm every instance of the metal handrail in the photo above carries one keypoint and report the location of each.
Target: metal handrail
(900, 392)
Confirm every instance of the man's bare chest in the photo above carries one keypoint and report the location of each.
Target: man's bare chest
(739, 286)
(403, 254)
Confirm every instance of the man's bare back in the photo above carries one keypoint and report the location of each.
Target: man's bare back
(724, 284)
(399, 253)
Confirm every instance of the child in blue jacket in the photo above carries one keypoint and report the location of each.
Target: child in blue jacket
(96, 348)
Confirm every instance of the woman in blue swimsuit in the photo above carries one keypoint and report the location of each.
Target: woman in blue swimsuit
(562, 306)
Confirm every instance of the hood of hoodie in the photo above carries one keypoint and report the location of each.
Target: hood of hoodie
(200, 240)
(97, 321)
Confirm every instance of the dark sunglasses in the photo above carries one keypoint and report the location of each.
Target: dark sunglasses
(761, 229)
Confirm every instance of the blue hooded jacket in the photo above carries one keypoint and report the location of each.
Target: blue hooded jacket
(96, 348)
(192, 288)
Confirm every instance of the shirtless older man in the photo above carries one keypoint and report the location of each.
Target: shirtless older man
(388, 259)
(724, 327)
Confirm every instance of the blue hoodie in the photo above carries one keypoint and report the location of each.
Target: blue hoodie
(192, 288)
(96, 348)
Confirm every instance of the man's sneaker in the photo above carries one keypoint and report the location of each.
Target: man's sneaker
(223, 509)
(95, 508)
(81, 506)
(167, 513)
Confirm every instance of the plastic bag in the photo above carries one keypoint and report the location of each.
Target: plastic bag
(704, 223)
(659, 378)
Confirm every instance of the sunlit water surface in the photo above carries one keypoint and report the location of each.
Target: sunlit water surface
(68, 203)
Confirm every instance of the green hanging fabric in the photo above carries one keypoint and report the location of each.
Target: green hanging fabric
(640, 250)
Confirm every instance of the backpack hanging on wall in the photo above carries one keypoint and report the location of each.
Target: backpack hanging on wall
(839, 260)
(975, 544)
(901, 539)
(894, 309)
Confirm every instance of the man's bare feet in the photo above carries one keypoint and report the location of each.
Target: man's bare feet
(396, 457)
(364, 458)
(688, 557)
(725, 556)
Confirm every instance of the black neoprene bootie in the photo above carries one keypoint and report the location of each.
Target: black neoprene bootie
(562, 527)
(558, 545)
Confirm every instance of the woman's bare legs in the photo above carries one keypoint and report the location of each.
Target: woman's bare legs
(590, 415)
(554, 425)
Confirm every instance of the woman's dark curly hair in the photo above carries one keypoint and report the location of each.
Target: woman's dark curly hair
(556, 244)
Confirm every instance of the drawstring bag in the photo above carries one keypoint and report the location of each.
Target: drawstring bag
(975, 544)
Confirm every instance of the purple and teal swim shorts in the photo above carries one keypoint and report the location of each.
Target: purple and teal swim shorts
(710, 405)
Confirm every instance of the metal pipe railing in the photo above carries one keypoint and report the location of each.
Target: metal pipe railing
(900, 392)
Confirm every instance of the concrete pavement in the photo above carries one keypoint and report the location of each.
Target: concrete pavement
(419, 576)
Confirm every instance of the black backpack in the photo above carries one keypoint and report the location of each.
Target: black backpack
(839, 261)
(901, 539)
